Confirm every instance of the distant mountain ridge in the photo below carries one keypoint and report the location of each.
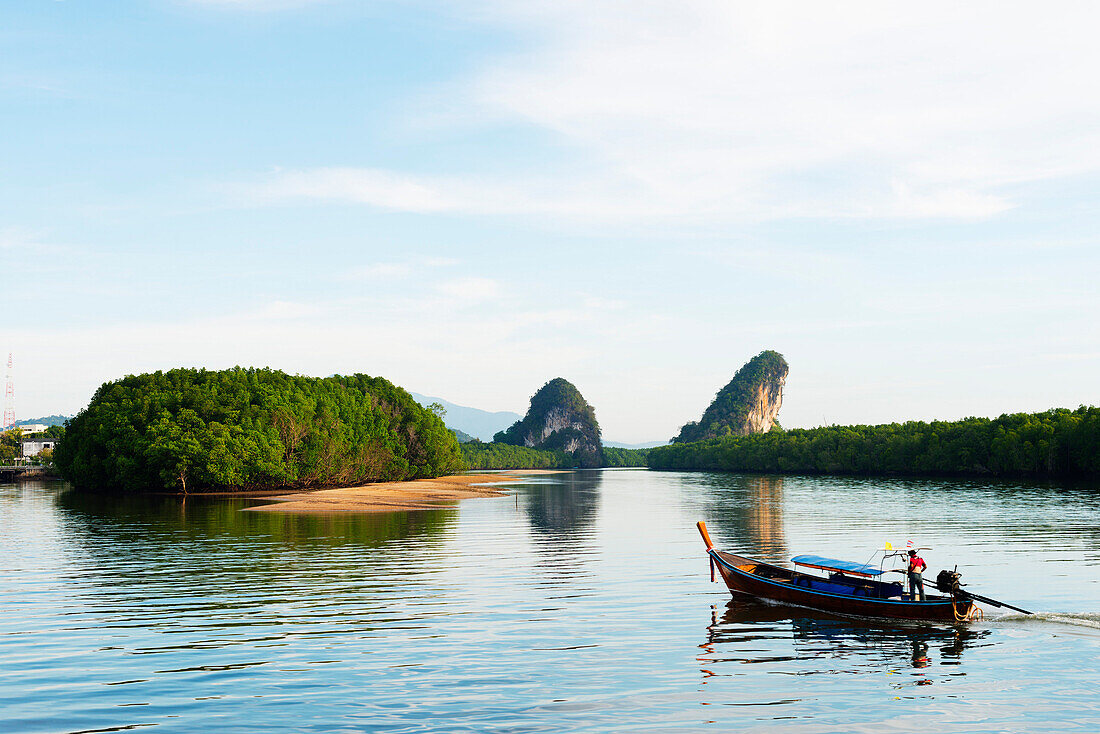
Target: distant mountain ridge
(462, 436)
(481, 424)
(49, 420)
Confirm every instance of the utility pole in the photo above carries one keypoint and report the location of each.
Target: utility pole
(9, 396)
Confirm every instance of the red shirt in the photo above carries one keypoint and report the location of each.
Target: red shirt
(916, 564)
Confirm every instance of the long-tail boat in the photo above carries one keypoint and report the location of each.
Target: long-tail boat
(849, 588)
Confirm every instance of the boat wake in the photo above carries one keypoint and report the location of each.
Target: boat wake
(1088, 620)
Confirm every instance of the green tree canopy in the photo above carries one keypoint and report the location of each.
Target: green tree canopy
(1056, 443)
(241, 429)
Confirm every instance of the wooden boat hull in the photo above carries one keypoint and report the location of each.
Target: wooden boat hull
(750, 577)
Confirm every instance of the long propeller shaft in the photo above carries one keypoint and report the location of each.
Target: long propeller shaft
(993, 602)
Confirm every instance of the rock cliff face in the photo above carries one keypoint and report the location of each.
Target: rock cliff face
(748, 404)
(561, 419)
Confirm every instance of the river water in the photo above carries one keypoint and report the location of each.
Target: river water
(580, 603)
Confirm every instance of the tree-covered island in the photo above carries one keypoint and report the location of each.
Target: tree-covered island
(246, 429)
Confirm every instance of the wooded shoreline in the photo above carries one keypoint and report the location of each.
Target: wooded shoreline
(249, 430)
(1056, 444)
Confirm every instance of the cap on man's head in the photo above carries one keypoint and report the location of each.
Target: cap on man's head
(912, 553)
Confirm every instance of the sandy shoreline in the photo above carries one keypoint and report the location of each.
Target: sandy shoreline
(421, 494)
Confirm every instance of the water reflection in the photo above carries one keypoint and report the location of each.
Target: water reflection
(746, 513)
(166, 517)
(200, 574)
(563, 513)
(565, 506)
(521, 614)
(747, 631)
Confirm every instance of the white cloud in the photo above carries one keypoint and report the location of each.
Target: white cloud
(440, 262)
(470, 290)
(396, 270)
(943, 202)
(907, 110)
(377, 271)
(596, 303)
(378, 188)
(284, 311)
(400, 192)
(711, 110)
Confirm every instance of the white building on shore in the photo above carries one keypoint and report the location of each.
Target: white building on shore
(34, 448)
(32, 428)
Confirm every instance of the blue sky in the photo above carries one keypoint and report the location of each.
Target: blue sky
(471, 198)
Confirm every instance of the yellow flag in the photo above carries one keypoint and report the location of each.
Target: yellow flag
(888, 546)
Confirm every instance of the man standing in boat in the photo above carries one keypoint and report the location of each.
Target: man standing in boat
(916, 568)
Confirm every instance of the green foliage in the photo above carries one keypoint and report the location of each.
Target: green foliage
(11, 445)
(559, 399)
(462, 436)
(1057, 443)
(480, 455)
(624, 457)
(731, 405)
(243, 429)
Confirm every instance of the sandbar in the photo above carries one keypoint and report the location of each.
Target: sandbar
(421, 494)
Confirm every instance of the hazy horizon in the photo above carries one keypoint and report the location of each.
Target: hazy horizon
(471, 198)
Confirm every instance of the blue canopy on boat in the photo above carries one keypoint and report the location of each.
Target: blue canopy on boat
(832, 564)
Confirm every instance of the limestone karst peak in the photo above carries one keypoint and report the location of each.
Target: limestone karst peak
(749, 403)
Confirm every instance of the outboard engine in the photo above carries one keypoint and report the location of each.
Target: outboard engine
(948, 582)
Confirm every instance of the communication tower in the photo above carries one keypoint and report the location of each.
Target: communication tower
(9, 395)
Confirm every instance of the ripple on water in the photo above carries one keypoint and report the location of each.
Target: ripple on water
(582, 604)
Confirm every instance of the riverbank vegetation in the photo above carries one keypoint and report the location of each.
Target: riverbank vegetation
(1056, 443)
(624, 457)
(244, 429)
(11, 446)
(479, 455)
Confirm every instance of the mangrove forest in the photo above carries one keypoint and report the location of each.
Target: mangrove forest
(1058, 443)
(241, 429)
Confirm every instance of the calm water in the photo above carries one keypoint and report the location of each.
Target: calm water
(582, 603)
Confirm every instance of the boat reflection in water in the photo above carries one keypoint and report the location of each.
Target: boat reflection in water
(799, 641)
